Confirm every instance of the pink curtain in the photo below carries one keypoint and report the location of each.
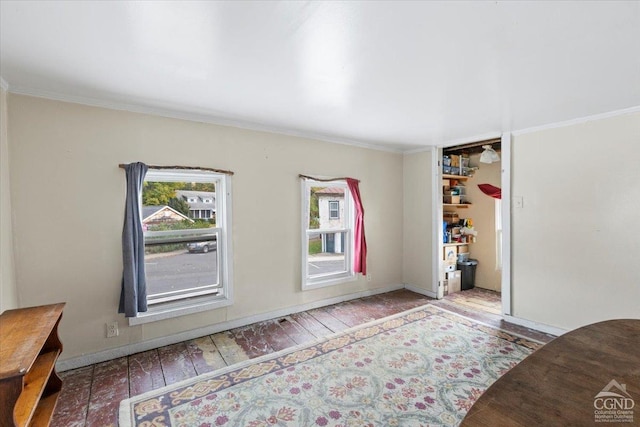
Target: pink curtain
(491, 190)
(360, 247)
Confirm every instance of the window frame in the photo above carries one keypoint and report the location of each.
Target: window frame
(331, 279)
(194, 303)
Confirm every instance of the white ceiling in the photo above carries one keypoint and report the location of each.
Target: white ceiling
(398, 75)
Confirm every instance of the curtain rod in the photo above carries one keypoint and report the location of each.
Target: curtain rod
(324, 180)
(122, 166)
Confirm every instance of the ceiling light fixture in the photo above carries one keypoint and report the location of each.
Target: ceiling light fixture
(489, 155)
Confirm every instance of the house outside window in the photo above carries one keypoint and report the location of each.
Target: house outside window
(327, 218)
(187, 258)
(201, 202)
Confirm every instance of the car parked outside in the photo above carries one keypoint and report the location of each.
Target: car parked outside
(210, 245)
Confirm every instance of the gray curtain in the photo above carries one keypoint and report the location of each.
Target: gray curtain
(133, 297)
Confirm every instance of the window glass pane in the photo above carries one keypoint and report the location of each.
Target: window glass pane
(326, 254)
(181, 267)
(177, 205)
(184, 268)
(326, 209)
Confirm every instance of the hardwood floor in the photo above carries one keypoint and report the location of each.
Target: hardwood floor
(91, 395)
(478, 299)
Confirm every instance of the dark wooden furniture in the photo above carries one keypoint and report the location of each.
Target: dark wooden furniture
(29, 348)
(558, 384)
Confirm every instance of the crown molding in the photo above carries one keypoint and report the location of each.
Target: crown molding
(195, 117)
(430, 148)
(577, 121)
(210, 119)
(493, 135)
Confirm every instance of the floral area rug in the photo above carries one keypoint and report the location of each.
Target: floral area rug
(423, 367)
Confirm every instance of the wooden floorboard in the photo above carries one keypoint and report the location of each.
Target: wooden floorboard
(73, 403)
(295, 330)
(110, 385)
(324, 316)
(145, 372)
(205, 355)
(176, 363)
(311, 324)
(229, 349)
(252, 341)
(91, 395)
(276, 336)
(350, 313)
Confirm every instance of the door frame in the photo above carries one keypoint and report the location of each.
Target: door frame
(505, 182)
(437, 235)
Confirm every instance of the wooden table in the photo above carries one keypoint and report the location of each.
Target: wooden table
(558, 384)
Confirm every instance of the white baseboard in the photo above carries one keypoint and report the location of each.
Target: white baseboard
(420, 291)
(548, 329)
(114, 353)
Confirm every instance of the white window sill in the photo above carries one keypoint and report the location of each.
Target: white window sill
(332, 281)
(180, 308)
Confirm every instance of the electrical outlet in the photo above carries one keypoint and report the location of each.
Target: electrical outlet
(112, 329)
(369, 277)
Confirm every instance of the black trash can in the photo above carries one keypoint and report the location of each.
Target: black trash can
(468, 273)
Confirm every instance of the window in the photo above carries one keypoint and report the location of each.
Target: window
(187, 258)
(334, 209)
(327, 235)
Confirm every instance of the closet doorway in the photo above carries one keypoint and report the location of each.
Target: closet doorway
(471, 237)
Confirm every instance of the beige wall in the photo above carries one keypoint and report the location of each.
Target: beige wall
(8, 293)
(417, 263)
(575, 243)
(482, 212)
(64, 159)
